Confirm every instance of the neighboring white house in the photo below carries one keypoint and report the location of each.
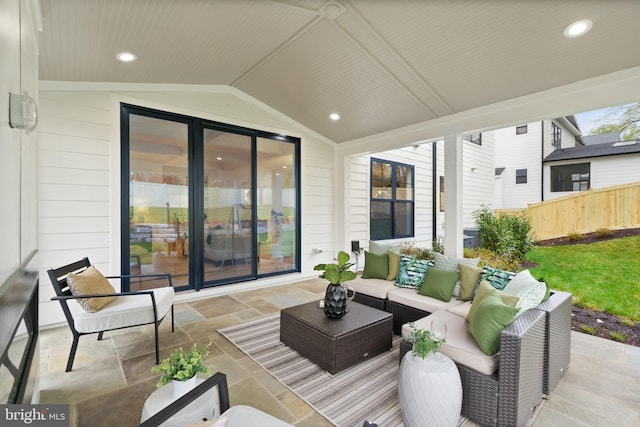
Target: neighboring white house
(519, 154)
(549, 159)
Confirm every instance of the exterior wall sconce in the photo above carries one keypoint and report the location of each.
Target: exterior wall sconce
(23, 112)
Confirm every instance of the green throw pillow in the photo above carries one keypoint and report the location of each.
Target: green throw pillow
(496, 278)
(439, 284)
(469, 277)
(490, 318)
(394, 265)
(485, 289)
(376, 266)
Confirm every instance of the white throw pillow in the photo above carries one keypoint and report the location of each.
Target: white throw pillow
(529, 291)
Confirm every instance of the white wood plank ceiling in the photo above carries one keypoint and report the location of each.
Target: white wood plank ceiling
(380, 64)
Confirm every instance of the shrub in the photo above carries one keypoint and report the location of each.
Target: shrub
(574, 237)
(410, 249)
(603, 232)
(506, 235)
(492, 259)
(437, 247)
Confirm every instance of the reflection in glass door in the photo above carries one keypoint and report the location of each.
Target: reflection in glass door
(158, 199)
(228, 213)
(277, 206)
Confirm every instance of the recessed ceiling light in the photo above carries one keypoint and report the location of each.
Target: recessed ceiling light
(218, 158)
(334, 116)
(578, 28)
(126, 57)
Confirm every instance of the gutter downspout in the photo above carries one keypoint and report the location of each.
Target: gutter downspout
(434, 180)
(542, 163)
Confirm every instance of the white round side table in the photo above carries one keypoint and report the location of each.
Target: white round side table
(206, 406)
(430, 391)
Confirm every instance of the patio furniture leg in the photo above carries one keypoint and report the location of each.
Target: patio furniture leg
(157, 344)
(72, 352)
(100, 335)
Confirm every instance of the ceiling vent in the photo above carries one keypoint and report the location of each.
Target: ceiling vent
(333, 10)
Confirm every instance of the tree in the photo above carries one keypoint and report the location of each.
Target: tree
(624, 119)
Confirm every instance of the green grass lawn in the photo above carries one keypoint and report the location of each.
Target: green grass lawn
(603, 276)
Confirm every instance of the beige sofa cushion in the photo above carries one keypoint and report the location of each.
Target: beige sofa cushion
(460, 346)
(377, 288)
(410, 297)
(461, 310)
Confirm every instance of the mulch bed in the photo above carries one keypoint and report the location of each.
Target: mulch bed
(585, 320)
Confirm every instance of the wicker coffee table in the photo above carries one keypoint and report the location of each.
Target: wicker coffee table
(336, 344)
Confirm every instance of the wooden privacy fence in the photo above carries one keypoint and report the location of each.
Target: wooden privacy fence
(613, 208)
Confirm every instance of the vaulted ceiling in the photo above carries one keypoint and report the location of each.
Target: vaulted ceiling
(380, 64)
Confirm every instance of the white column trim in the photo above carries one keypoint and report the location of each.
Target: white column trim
(453, 204)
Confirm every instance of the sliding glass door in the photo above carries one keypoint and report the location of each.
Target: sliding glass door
(158, 185)
(228, 215)
(209, 203)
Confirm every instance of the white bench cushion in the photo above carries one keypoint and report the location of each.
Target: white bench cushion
(377, 288)
(410, 297)
(461, 310)
(124, 311)
(460, 346)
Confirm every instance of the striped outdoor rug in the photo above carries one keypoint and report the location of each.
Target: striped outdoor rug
(366, 391)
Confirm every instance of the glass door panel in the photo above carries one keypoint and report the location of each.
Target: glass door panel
(276, 206)
(158, 199)
(228, 211)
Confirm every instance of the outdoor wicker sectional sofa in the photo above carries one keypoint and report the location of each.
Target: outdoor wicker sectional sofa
(534, 349)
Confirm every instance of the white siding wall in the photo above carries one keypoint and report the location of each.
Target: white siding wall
(519, 152)
(79, 175)
(479, 173)
(615, 170)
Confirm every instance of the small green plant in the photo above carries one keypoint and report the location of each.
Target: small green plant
(627, 322)
(181, 366)
(410, 249)
(618, 337)
(437, 246)
(338, 273)
(574, 237)
(588, 329)
(423, 342)
(603, 232)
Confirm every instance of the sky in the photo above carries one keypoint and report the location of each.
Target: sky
(588, 120)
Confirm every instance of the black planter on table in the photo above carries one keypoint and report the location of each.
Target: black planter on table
(335, 301)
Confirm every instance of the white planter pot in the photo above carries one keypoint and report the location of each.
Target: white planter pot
(430, 391)
(180, 388)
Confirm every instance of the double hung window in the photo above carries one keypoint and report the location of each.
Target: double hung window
(392, 200)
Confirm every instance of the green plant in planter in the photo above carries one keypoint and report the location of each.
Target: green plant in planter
(423, 342)
(181, 366)
(338, 273)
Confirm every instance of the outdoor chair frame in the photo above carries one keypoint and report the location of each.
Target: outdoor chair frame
(58, 277)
